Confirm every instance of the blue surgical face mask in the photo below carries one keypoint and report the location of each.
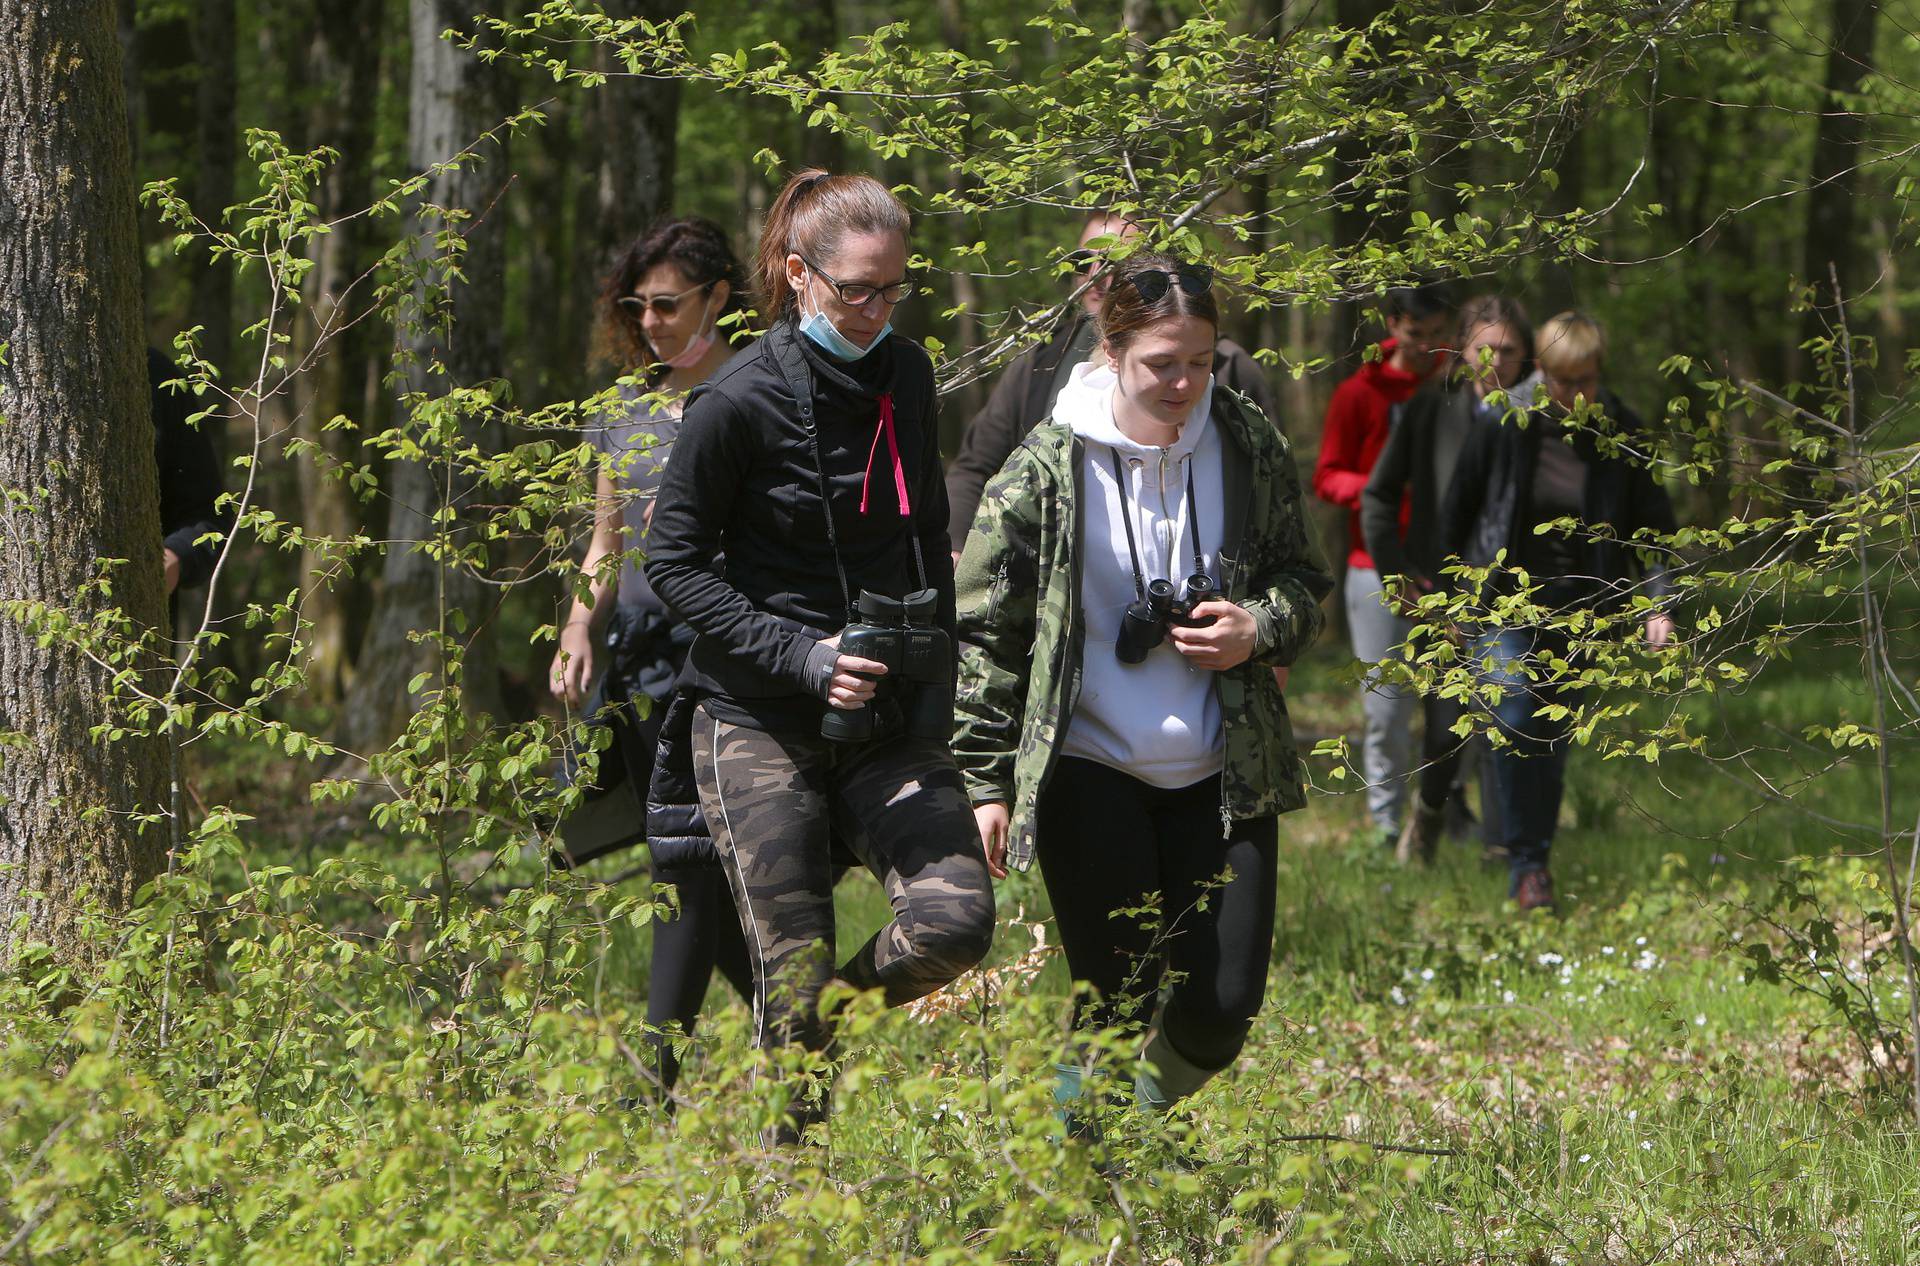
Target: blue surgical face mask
(828, 338)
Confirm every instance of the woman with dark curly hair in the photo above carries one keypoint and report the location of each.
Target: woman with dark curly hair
(661, 311)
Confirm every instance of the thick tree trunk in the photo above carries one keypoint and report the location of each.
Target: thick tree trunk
(347, 51)
(213, 186)
(635, 180)
(1355, 215)
(78, 443)
(1832, 238)
(453, 98)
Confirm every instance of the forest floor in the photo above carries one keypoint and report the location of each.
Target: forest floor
(1608, 1084)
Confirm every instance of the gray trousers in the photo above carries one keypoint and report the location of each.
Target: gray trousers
(1386, 748)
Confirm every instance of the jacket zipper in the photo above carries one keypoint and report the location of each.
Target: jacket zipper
(997, 591)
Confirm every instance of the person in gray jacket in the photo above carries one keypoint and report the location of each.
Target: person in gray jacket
(1024, 395)
(1400, 512)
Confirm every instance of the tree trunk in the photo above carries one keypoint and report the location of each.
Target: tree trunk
(213, 186)
(1353, 220)
(346, 51)
(819, 33)
(1832, 244)
(78, 441)
(127, 15)
(452, 99)
(635, 182)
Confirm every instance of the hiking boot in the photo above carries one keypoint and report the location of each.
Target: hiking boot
(1421, 839)
(1534, 891)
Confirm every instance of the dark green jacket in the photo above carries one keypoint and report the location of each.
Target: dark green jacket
(1022, 638)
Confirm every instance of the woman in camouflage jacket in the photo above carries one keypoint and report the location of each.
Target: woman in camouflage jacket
(1148, 767)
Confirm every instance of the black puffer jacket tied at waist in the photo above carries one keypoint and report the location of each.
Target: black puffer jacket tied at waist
(739, 548)
(1490, 508)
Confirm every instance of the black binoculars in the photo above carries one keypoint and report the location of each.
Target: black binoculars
(900, 633)
(1144, 624)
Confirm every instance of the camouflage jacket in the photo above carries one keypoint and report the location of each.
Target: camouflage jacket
(1022, 636)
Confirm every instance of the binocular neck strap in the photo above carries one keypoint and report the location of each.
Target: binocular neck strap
(1126, 519)
(826, 508)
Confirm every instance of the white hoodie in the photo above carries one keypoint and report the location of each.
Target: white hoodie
(1158, 720)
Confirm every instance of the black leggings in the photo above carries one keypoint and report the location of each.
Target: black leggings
(703, 935)
(1107, 842)
(686, 949)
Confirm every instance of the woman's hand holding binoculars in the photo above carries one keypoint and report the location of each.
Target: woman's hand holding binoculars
(1225, 642)
(854, 679)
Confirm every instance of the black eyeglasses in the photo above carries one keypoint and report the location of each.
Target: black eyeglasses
(663, 305)
(1083, 260)
(1194, 279)
(857, 294)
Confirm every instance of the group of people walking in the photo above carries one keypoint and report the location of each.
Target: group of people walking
(1068, 647)
(1417, 447)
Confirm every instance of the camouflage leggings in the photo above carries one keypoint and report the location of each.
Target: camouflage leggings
(774, 802)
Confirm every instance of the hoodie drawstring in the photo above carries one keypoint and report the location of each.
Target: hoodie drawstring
(893, 448)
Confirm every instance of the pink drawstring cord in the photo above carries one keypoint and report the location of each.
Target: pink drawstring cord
(893, 447)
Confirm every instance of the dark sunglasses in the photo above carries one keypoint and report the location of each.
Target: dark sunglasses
(1082, 260)
(663, 305)
(1194, 279)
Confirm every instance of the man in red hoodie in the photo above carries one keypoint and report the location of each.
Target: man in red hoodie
(1417, 319)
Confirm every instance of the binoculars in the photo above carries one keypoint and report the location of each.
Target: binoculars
(918, 686)
(1144, 624)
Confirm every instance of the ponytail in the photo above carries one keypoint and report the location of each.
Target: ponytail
(813, 211)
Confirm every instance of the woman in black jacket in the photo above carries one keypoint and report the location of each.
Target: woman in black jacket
(806, 479)
(1512, 479)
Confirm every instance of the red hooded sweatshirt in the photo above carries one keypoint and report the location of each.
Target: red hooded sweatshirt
(1355, 432)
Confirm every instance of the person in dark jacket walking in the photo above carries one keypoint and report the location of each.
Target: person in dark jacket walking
(1409, 485)
(1024, 394)
(1511, 480)
(661, 307)
(194, 526)
(1417, 321)
(806, 479)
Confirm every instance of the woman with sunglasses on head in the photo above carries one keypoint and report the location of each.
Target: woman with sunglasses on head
(661, 310)
(1133, 574)
(811, 463)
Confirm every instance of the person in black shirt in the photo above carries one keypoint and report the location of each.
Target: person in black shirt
(189, 481)
(805, 478)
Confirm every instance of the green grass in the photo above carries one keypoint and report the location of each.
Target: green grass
(1609, 1083)
(373, 1076)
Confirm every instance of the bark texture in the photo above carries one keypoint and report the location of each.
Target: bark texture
(77, 442)
(1832, 231)
(345, 51)
(213, 184)
(453, 98)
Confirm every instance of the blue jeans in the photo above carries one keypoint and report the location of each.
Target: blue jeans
(1529, 770)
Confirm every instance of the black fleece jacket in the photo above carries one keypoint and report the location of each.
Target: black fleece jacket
(739, 546)
(189, 474)
(1490, 508)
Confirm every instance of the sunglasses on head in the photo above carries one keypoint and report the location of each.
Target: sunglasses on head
(662, 305)
(1194, 279)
